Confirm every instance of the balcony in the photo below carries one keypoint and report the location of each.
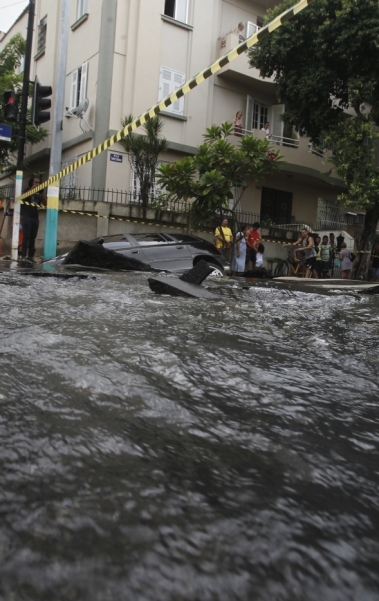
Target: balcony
(239, 69)
(298, 153)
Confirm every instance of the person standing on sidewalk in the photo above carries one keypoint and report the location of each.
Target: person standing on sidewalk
(346, 263)
(326, 255)
(253, 238)
(224, 239)
(30, 221)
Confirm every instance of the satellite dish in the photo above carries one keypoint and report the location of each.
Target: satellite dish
(78, 112)
(81, 109)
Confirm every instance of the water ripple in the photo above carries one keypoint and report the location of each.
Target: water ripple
(163, 449)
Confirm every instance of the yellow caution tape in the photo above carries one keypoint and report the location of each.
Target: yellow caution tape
(172, 227)
(185, 89)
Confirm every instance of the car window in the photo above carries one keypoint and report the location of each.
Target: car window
(184, 238)
(115, 238)
(149, 239)
(116, 245)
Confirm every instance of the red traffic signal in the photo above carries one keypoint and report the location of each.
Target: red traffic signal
(10, 106)
(40, 103)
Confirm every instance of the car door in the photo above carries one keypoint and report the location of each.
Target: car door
(161, 252)
(127, 246)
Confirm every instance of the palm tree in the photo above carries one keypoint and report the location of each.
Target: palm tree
(143, 153)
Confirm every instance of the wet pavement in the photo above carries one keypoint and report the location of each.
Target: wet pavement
(165, 449)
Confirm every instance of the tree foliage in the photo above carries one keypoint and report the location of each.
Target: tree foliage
(143, 153)
(325, 63)
(10, 59)
(209, 177)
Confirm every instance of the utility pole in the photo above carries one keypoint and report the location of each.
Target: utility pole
(22, 130)
(51, 231)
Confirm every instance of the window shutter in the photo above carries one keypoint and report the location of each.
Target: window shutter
(83, 82)
(181, 10)
(68, 181)
(251, 28)
(82, 8)
(249, 113)
(277, 124)
(178, 105)
(169, 81)
(74, 89)
(135, 186)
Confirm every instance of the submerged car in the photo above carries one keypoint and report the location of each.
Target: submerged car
(169, 252)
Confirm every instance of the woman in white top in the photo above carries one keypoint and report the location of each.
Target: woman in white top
(240, 251)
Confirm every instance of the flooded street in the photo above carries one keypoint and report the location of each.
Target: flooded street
(162, 449)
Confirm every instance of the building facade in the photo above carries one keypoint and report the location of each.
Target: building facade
(125, 55)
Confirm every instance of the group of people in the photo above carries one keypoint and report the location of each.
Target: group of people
(238, 126)
(246, 244)
(318, 254)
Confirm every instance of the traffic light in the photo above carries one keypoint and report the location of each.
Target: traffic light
(40, 103)
(10, 106)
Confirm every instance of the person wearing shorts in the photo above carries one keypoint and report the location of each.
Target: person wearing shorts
(253, 238)
(308, 249)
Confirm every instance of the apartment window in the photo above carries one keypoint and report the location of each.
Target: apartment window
(135, 184)
(169, 81)
(276, 206)
(177, 9)
(68, 182)
(256, 114)
(21, 67)
(42, 29)
(260, 21)
(251, 28)
(82, 8)
(79, 85)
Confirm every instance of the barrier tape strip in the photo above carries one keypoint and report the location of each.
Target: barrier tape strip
(182, 91)
(173, 227)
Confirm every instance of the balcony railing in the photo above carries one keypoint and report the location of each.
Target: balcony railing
(276, 140)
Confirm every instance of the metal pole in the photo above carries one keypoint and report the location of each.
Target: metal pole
(51, 231)
(22, 131)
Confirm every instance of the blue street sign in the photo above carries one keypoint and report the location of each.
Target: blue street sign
(5, 132)
(117, 158)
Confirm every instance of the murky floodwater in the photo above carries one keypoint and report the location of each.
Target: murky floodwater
(156, 448)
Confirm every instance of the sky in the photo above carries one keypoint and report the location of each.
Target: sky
(9, 11)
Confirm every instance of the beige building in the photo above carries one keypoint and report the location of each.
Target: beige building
(125, 55)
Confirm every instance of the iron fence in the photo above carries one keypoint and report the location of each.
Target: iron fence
(159, 202)
(124, 198)
(7, 191)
